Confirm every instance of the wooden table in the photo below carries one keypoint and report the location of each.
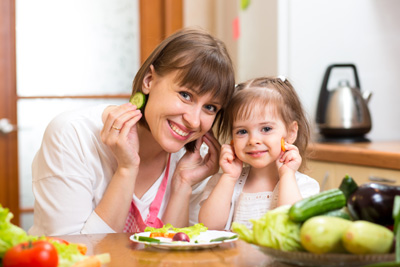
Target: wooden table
(127, 253)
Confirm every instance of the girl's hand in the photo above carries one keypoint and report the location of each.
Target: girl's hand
(229, 163)
(192, 168)
(120, 134)
(289, 161)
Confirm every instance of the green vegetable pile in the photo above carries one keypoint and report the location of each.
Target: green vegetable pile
(12, 235)
(332, 222)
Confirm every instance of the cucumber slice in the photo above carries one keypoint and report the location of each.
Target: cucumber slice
(138, 99)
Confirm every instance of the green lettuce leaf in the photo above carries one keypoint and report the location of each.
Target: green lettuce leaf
(191, 231)
(10, 234)
(68, 255)
(276, 230)
(243, 232)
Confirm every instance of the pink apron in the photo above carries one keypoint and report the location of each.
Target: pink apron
(134, 222)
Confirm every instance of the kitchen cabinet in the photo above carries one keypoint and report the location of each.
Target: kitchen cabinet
(365, 162)
(330, 174)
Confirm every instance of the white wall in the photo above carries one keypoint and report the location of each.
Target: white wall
(363, 32)
(308, 35)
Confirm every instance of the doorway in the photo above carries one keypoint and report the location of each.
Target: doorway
(28, 105)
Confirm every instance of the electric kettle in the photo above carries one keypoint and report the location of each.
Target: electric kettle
(342, 112)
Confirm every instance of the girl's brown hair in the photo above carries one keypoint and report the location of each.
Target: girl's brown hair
(203, 63)
(262, 92)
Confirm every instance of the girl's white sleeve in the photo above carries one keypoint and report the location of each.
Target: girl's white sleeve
(307, 185)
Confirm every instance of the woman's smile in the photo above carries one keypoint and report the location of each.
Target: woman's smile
(179, 131)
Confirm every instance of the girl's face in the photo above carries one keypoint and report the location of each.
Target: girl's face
(257, 140)
(176, 115)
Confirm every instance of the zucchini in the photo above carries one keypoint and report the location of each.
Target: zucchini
(315, 205)
(341, 213)
(348, 186)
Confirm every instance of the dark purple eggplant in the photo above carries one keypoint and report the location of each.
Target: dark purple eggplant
(373, 202)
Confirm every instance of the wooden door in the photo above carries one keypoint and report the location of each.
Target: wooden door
(158, 18)
(8, 110)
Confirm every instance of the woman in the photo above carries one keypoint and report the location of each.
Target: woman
(114, 168)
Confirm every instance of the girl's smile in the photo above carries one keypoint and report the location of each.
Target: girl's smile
(257, 139)
(257, 153)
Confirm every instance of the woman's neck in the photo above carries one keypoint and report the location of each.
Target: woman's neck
(149, 148)
(153, 160)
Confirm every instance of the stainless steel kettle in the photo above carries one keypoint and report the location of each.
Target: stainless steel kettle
(342, 112)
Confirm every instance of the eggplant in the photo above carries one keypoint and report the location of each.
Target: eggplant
(373, 202)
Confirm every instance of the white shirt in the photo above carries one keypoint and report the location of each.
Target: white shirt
(72, 170)
(245, 206)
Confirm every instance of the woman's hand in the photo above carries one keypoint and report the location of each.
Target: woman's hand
(229, 163)
(289, 161)
(120, 134)
(192, 168)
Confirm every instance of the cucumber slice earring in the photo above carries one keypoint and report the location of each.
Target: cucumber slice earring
(138, 99)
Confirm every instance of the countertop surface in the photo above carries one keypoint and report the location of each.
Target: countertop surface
(381, 154)
(124, 252)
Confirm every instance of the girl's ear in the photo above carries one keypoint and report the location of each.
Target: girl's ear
(148, 80)
(292, 132)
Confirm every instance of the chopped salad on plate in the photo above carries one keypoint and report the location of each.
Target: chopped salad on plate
(196, 236)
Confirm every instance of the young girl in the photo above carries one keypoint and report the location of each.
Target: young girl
(262, 114)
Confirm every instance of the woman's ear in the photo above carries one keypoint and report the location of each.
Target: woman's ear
(148, 80)
(292, 132)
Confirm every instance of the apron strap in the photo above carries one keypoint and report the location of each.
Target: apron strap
(134, 221)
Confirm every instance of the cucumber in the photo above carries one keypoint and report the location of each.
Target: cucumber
(348, 186)
(315, 205)
(138, 99)
(340, 213)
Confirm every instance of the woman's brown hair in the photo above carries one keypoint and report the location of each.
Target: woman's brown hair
(203, 63)
(266, 91)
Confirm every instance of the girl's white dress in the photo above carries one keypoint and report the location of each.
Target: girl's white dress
(246, 206)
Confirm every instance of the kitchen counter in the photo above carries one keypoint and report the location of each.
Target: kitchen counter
(384, 154)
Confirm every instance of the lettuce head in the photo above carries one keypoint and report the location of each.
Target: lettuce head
(10, 234)
(276, 230)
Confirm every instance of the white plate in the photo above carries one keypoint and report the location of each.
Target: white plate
(203, 241)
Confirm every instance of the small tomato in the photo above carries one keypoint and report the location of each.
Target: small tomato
(58, 240)
(37, 253)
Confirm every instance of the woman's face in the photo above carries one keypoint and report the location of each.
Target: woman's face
(176, 115)
(257, 141)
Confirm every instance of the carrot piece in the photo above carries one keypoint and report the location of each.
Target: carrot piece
(156, 234)
(283, 144)
(82, 248)
(170, 235)
(232, 142)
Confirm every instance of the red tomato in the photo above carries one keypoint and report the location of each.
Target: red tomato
(58, 240)
(37, 253)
